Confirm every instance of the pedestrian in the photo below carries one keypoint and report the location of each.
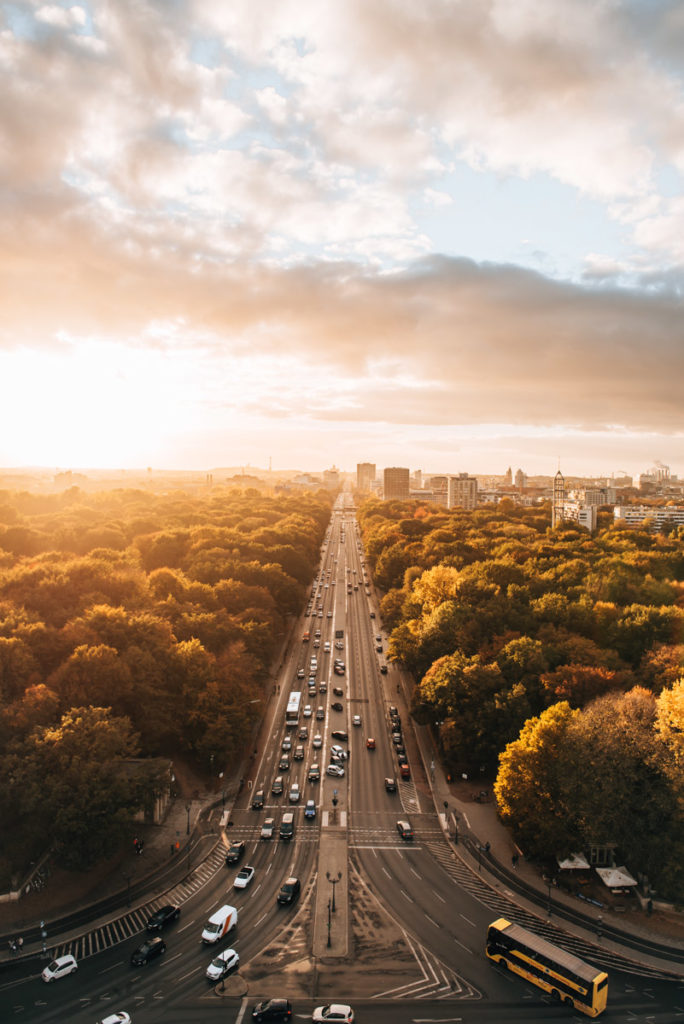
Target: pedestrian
(514, 860)
(12, 946)
(20, 943)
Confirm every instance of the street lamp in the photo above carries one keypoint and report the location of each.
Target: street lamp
(188, 807)
(329, 943)
(333, 882)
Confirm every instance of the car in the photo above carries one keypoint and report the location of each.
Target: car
(383, 669)
(314, 773)
(244, 877)
(59, 968)
(317, 643)
(405, 830)
(338, 670)
(317, 634)
(298, 753)
(300, 673)
(335, 769)
(303, 733)
(148, 950)
(330, 615)
(378, 639)
(340, 734)
(326, 647)
(294, 793)
(312, 691)
(267, 828)
(277, 787)
(397, 738)
(317, 741)
(391, 785)
(310, 809)
(307, 711)
(286, 744)
(338, 691)
(370, 743)
(323, 687)
(337, 706)
(120, 1017)
(272, 1010)
(338, 753)
(402, 759)
(163, 916)
(226, 961)
(289, 891)
(236, 852)
(393, 710)
(339, 646)
(378, 648)
(356, 720)
(258, 800)
(340, 1013)
(320, 714)
(320, 615)
(404, 771)
(372, 615)
(284, 763)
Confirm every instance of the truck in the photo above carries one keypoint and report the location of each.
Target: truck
(219, 924)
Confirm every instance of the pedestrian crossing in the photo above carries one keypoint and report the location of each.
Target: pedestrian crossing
(133, 922)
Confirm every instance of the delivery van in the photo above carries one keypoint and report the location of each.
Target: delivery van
(219, 924)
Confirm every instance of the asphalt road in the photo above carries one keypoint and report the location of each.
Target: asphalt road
(416, 916)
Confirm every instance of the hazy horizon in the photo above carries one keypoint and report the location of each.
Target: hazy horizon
(411, 233)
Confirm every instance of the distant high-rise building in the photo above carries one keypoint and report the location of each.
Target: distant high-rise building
(331, 478)
(508, 477)
(462, 491)
(520, 479)
(396, 484)
(365, 476)
(558, 499)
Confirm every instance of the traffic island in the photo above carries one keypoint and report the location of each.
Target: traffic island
(233, 987)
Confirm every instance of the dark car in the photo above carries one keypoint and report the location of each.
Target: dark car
(337, 706)
(258, 800)
(391, 785)
(339, 734)
(383, 669)
(338, 691)
(162, 917)
(273, 1009)
(149, 949)
(289, 891)
(235, 853)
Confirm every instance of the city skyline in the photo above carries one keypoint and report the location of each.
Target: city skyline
(434, 233)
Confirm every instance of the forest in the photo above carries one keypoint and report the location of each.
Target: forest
(551, 661)
(135, 628)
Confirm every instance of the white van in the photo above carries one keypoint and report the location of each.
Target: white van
(219, 924)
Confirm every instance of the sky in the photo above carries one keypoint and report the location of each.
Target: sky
(441, 234)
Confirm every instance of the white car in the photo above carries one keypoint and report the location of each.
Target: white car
(356, 720)
(307, 711)
(221, 964)
(337, 1012)
(117, 1018)
(317, 742)
(338, 753)
(59, 968)
(244, 877)
(294, 793)
(335, 769)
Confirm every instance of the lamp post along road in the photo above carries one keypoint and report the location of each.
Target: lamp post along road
(333, 882)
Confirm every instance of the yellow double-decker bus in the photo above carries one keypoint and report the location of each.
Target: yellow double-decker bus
(564, 976)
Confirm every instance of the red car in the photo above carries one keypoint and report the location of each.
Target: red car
(370, 743)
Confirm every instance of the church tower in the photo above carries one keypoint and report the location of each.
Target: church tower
(558, 507)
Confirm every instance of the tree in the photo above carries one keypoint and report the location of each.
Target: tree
(79, 777)
(529, 787)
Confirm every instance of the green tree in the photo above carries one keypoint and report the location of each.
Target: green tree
(530, 786)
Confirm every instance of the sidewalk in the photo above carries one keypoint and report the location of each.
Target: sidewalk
(488, 848)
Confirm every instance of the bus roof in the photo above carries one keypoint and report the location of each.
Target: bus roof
(568, 961)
